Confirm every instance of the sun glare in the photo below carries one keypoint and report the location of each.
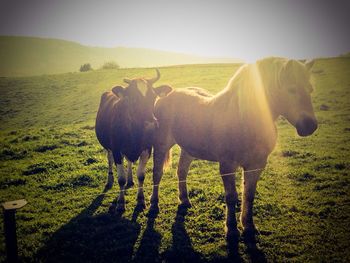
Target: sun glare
(254, 102)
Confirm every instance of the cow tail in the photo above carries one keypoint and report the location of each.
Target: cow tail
(167, 161)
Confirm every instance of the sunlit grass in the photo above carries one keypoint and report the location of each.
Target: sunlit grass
(50, 156)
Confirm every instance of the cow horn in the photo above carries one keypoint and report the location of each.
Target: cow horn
(127, 81)
(155, 78)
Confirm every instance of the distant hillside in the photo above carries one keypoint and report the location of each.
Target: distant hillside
(25, 56)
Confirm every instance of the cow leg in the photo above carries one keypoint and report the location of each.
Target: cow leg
(118, 159)
(130, 181)
(182, 171)
(162, 145)
(141, 177)
(110, 178)
(158, 163)
(249, 187)
(231, 198)
(122, 186)
(159, 157)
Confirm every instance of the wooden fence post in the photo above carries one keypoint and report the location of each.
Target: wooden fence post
(10, 228)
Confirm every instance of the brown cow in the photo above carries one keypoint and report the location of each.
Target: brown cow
(124, 126)
(235, 128)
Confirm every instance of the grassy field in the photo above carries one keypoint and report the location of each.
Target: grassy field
(50, 156)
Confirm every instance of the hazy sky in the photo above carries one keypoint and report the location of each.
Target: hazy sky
(216, 28)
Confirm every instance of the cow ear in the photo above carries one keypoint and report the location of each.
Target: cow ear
(163, 90)
(119, 91)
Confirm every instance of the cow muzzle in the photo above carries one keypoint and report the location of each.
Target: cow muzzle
(306, 126)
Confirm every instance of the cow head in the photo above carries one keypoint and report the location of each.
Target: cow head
(140, 95)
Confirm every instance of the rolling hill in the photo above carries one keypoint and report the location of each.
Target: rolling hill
(26, 56)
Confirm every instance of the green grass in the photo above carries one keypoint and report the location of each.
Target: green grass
(50, 156)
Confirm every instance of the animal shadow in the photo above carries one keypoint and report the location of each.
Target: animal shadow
(148, 250)
(182, 249)
(254, 253)
(89, 238)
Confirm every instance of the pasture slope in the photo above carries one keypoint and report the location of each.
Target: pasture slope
(28, 56)
(50, 156)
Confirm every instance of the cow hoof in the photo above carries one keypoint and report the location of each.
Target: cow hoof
(108, 186)
(110, 180)
(129, 185)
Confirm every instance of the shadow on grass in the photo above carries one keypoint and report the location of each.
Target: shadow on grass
(181, 249)
(254, 253)
(112, 238)
(148, 250)
(89, 238)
